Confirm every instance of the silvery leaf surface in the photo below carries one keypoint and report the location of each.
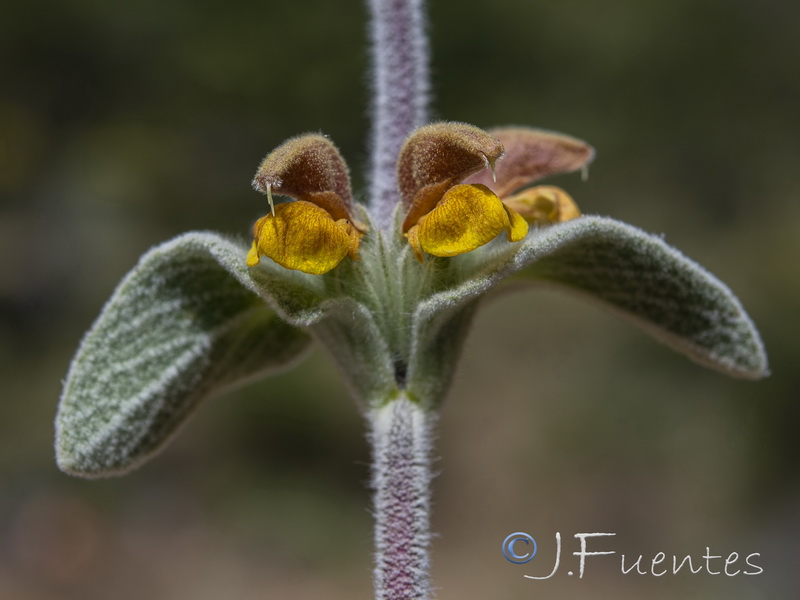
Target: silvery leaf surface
(635, 274)
(187, 322)
(358, 348)
(441, 329)
(645, 280)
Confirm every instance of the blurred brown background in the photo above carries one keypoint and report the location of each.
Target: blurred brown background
(125, 123)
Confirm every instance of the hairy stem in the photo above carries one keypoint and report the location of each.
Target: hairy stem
(400, 94)
(401, 439)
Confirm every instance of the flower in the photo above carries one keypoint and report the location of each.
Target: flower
(316, 231)
(531, 155)
(443, 216)
(446, 218)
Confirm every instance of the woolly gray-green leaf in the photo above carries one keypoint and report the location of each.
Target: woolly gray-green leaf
(635, 274)
(185, 323)
(358, 348)
(651, 283)
(440, 333)
(642, 278)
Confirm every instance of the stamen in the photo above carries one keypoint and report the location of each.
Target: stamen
(269, 199)
(585, 172)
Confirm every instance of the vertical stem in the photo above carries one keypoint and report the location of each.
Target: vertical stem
(401, 440)
(400, 429)
(400, 94)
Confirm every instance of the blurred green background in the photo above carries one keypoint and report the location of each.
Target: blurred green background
(125, 123)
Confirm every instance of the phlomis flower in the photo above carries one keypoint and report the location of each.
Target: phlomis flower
(317, 230)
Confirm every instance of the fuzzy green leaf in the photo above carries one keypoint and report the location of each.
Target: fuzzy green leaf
(440, 333)
(635, 274)
(358, 348)
(652, 284)
(184, 324)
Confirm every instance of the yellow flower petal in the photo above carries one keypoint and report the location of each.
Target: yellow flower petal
(544, 205)
(252, 256)
(518, 226)
(467, 217)
(413, 240)
(303, 237)
(355, 233)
